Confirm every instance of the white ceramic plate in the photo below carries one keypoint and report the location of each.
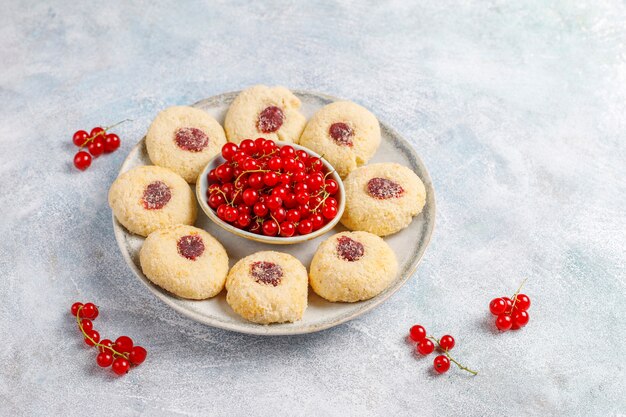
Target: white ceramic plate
(409, 244)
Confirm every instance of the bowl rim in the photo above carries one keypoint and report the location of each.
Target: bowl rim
(202, 186)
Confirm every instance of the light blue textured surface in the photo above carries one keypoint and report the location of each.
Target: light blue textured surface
(517, 108)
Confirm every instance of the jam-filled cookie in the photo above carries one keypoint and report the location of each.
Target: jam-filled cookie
(344, 133)
(268, 287)
(184, 139)
(268, 112)
(352, 266)
(186, 261)
(382, 198)
(148, 198)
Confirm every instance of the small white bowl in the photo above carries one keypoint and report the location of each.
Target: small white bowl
(202, 186)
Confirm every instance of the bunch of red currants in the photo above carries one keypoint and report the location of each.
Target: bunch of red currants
(511, 313)
(272, 190)
(97, 142)
(425, 346)
(119, 355)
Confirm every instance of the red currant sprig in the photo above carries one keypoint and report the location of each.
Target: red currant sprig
(511, 312)
(425, 346)
(120, 355)
(273, 190)
(97, 142)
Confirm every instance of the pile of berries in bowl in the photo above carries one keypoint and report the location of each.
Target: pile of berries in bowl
(272, 192)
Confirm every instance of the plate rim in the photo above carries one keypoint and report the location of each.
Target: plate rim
(273, 330)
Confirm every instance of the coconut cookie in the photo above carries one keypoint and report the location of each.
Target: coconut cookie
(268, 287)
(269, 112)
(382, 198)
(185, 261)
(148, 198)
(184, 139)
(352, 266)
(344, 133)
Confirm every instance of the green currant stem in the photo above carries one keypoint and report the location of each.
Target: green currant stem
(96, 344)
(445, 351)
(326, 195)
(117, 124)
(516, 293)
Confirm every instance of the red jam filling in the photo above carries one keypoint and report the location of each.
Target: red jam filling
(383, 189)
(349, 249)
(191, 139)
(341, 133)
(270, 119)
(156, 195)
(266, 272)
(190, 246)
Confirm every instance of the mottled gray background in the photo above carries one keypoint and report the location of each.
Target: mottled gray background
(517, 108)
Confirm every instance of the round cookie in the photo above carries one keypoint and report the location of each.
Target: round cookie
(344, 133)
(184, 139)
(148, 198)
(352, 266)
(382, 198)
(185, 261)
(268, 287)
(261, 111)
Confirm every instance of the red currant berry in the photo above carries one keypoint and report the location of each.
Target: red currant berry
(123, 344)
(289, 200)
(275, 163)
(300, 188)
(280, 192)
(302, 197)
(250, 165)
(293, 215)
(289, 164)
(137, 355)
(279, 214)
(92, 338)
(89, 311)
(504, 322)
(446, 342)
(330, 201)
(425, 347)
(212, 177)
(75, 307)
(270, 228)
(315, 181)
(228, 151)
(305, 227)
(259, 142)
(231, 214)
(522, 302)
(120, 366)
(318, 221)
(441, 364)
(519, 319)
(82, 160)
(268, 147)
(96, 147)
(86, 324)
(106, 344)
(228, 188)
(497, 306)
(299, 176)
(256, 228)
(250, 196)
(300, 167)
(224, 172)
(104, 359)
(80, 138)
(417, 333)
(97, 132)
(221, 211)
(509, 304)
(287, 152)
(302, 155)
(215, 200)
(331, 186)
(256, 180)
(260, 209)
(329, 212)
(111, 143)
(244, 220)
(248, 146)
(273, 202)
(287, 229)
(270, 179)
(316, 164)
